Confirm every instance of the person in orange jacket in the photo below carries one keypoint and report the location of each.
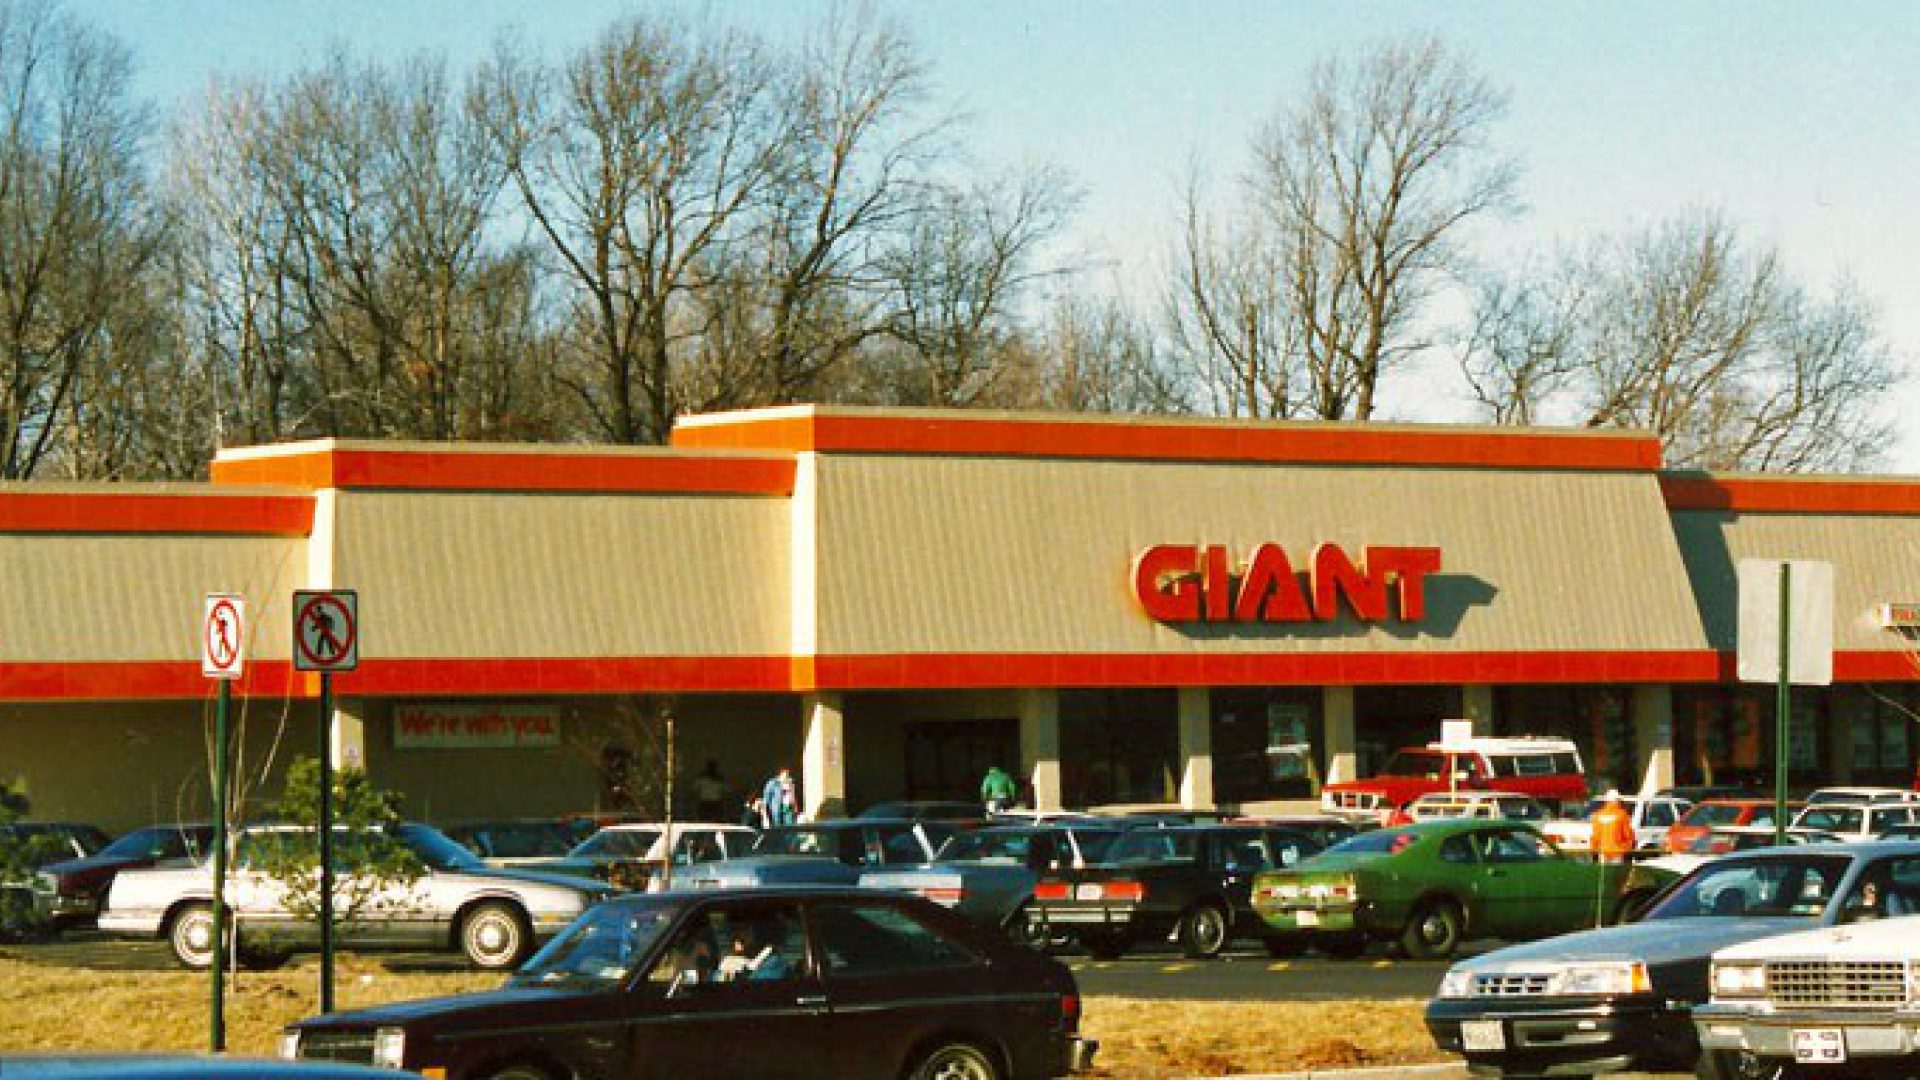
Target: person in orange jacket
(1613, 839)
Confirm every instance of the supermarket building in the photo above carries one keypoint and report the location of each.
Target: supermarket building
(1128, 610)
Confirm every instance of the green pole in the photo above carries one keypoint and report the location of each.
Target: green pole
(326, 842)
(1782, 711)
(220, 753)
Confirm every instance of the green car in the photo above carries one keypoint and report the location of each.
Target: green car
(1430, 886)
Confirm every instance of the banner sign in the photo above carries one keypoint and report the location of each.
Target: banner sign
(474, 725)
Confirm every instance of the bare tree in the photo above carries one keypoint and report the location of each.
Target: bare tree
(1360, 190)
(1098, 356)
(637, 163)
(1688, 331)
(75, 227)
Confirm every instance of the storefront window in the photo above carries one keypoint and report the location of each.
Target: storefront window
(1597, 718)
(1119, 746)
(1387, 718)
(1266, 743)
(1725, 735)
(1879, 720)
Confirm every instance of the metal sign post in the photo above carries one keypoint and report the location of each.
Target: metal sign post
(326, 639)
(1782, 707)
(222, 657)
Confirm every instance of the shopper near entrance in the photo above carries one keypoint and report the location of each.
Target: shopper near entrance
(998, 790)
(709, 792)
(779, 801)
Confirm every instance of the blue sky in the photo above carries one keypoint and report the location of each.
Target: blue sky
(1796, 119)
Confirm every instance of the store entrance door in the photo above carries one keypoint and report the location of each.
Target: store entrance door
(947, 758)
(1386, 718)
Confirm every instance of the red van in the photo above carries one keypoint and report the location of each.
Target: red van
(1546, 769)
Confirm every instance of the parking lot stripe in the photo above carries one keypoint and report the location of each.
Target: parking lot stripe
(1177, 967)
(1378, 964)
(1281, 966)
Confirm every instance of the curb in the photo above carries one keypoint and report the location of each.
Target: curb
(1445, 1071)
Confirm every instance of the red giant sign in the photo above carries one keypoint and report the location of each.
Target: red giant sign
(1184, 583)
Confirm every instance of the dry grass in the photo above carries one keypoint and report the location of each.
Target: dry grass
(59, 1008)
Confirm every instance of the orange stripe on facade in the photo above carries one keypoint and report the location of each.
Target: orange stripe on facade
(120, 512)
(1684, 491)
(430, 470)
(1172, 441)
(904, 671)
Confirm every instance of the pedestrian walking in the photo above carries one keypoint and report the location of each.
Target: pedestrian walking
(997, 789)
(779, 799)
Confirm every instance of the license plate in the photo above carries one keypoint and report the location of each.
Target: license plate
(1086, 892)
(1482, 1035)
(1306, 918)
(1819, 1046)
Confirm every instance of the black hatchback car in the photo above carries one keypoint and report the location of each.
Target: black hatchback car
(760, 984)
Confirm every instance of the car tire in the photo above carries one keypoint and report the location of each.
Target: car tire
(1106, 944)
(495, 936)
(1285, 946)
(1740, 1065)
(1204, 931)
(190, 935)
(955, 1061)
(1433, 932)
(1342, 946)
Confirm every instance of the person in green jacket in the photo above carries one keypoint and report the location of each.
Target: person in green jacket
(998, 790)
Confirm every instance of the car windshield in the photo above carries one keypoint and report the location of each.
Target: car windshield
(602, 948)
(158, 842)
(1785, 886)
(435, 850)
(617, 844)
(1151, 846)
(1835, 819)
(1421, 764)
(1377, 842)
(803, 841)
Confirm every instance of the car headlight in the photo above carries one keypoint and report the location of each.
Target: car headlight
(1738, 979)
(1456, 984)
(290, 1043)
(389, 1047)
(1592, 980)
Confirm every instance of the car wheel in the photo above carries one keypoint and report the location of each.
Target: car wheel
(1433, 932)
(1285, 946)
(495, 937)
(191, 936)
(1740, 1065)
(1342, 946)
(1105, 944)
(1203, 932)
(956, 1061)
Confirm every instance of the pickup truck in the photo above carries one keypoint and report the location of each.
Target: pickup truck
(1192, 882)
(1546, 769)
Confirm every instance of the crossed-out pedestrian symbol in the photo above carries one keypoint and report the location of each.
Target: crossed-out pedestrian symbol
(324, 632)
(223, 634)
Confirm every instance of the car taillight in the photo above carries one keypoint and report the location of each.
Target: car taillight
(944, 894)
(1070, 1013)
(1051, 890)
(1123, 890)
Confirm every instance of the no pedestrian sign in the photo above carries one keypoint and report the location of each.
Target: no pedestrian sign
(326, 630)
(222, 637)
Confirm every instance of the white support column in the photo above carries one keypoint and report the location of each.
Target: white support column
(1653, 736)
(1476, 704)
(823, 758)
(1040, 745)
(1336, 713)
(347, 742)
(1196, 748)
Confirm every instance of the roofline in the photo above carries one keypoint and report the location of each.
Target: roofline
(414, 466)
(1760, 493)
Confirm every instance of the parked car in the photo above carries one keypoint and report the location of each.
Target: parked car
(988, 875)
(1325, 829)
(1193, 882)
(457, 903)
(55, 840)
(822, 853)
(754, 984)
(1622, 997)
(1717, 842)
(925, 810)
(514, 842)
(181, 1067)
(1650, 818)
(1836, 1001)
(1547, 769)
(1428, 887)
(1721, 813)
(1505, 805)
(27, 899)
(74, 891)
(1862, 795)
(630, 856)
(1856, 820)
